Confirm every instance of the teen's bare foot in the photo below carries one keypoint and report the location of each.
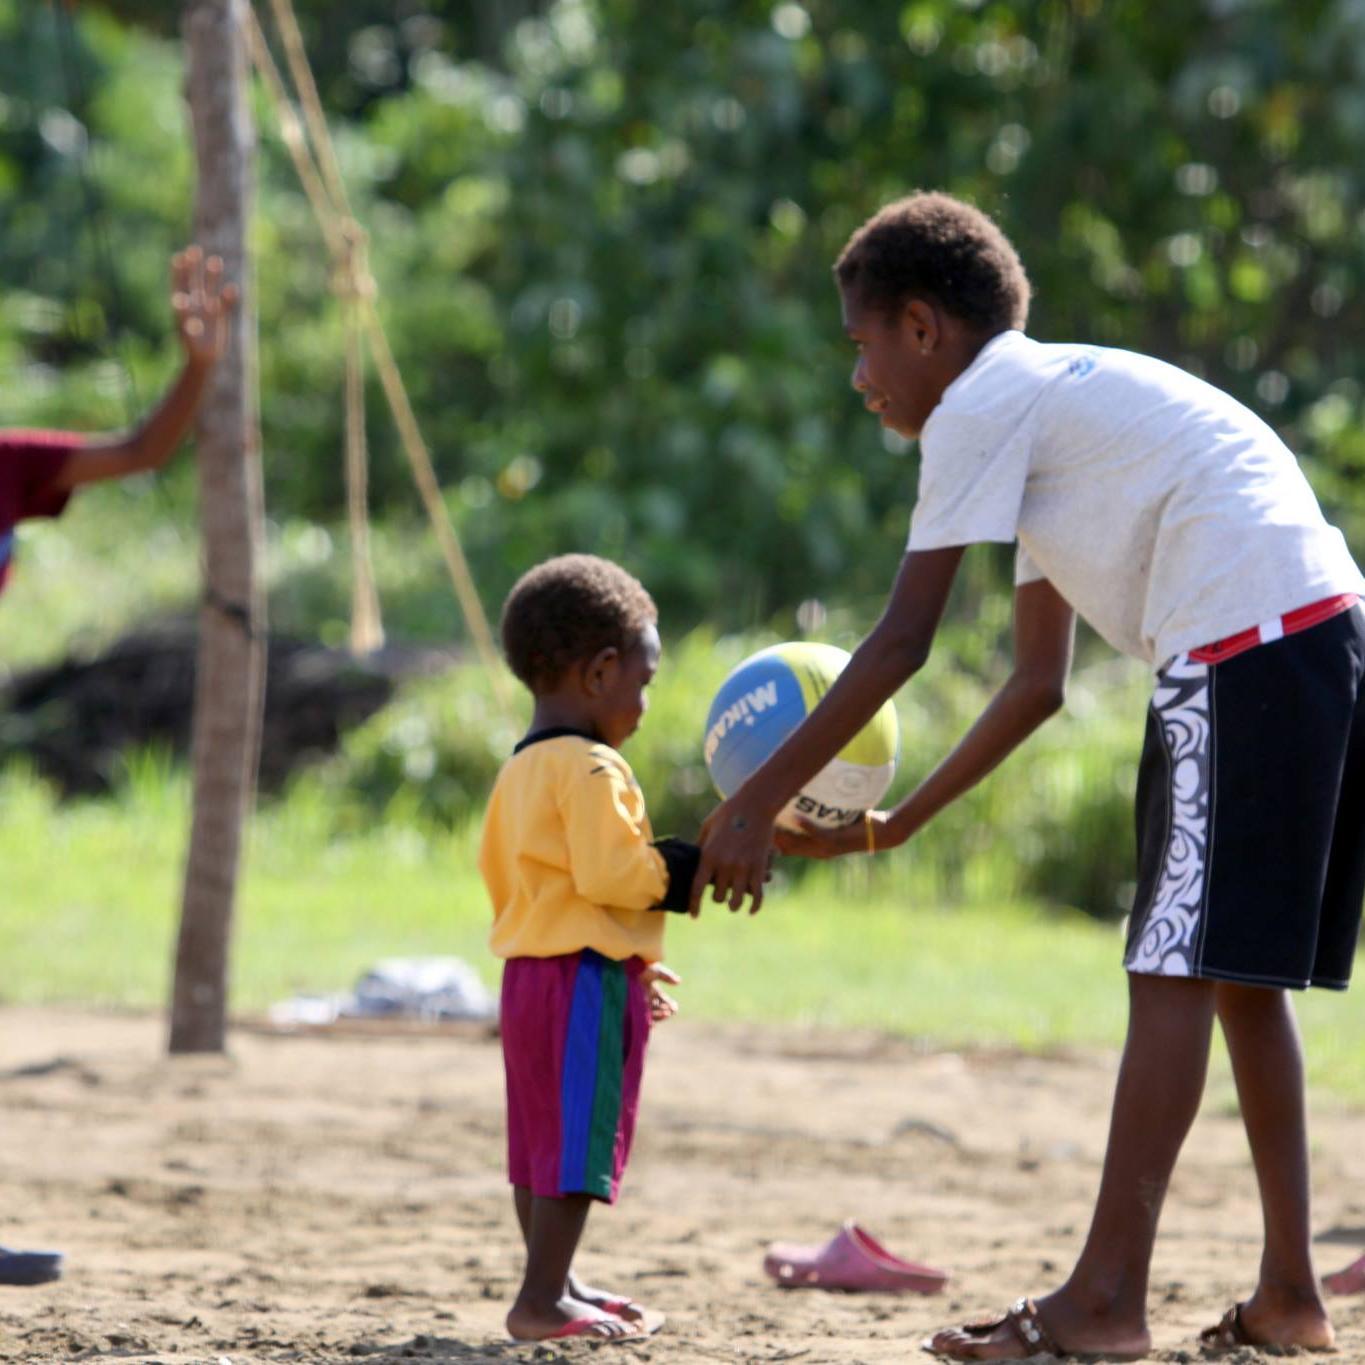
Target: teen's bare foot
(1049, 1326)
(527, 1322)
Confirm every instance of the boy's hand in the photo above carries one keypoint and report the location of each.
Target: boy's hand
(661, 1005)
(813, 841)
(203, 305)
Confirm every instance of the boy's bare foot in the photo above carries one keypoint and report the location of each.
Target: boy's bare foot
(526, 1322)
(646, 1321)
(1050, 1326)
(619, 1305)
(1271, 1318)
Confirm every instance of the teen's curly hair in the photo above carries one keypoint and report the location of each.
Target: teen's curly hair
(930, 245)
(567, 609)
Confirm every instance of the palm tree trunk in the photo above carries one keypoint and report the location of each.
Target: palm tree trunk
(230, 669)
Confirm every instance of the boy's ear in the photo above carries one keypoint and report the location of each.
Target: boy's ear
(921, 323)
(598, 670)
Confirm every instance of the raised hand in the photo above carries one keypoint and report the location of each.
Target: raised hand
(203, 305)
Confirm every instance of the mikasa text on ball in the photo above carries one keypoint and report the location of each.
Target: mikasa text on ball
(764, 700)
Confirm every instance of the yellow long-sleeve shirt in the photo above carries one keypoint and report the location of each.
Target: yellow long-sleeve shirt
(567, 855)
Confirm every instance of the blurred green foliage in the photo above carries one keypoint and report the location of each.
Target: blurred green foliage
(603, 232)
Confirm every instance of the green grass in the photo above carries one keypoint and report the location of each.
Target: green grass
(92, 895)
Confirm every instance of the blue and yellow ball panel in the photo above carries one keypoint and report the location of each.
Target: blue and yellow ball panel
(757, 707)
(764, 699)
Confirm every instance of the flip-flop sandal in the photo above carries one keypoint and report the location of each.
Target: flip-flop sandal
(598, 1328)
(851, 1260)
(1230, 1332)
(29, 1267)
(648, 1322)
(1035, 1341)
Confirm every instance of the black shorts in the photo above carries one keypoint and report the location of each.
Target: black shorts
(1251, 814)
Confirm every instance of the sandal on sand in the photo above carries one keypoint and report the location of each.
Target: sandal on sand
(29, 1267)
(1035, 1341)
(599, 1328)
(1230, 1332)
(851, 1260)
(647, 1320)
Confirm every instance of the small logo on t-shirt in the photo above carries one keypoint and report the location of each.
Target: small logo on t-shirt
(1081, 366)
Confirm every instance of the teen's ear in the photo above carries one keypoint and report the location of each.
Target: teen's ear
(598, 671)
(920, 323)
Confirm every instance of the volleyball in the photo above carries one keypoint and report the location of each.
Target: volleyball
(763, 700)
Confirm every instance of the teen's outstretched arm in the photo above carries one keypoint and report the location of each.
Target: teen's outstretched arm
(1044, 631)
(737, 837)
(203, 307)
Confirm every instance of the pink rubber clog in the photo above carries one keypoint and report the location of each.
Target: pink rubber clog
(1348, 1281)
(851, 1260)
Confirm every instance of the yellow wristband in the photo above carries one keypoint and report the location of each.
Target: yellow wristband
(867, 825)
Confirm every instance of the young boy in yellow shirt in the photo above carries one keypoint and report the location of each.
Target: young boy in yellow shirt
(576, 880)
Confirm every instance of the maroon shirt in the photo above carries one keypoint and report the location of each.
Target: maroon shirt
(29, 463)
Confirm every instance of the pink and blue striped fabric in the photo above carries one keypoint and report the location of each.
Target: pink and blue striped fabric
(594, 1065)
(574, 1032)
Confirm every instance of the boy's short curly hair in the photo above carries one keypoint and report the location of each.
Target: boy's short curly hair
(930, 245)
(567, 609)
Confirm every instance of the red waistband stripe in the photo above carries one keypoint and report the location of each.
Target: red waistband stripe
(1302, 618)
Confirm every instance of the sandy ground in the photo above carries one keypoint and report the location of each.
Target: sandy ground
(341, 1199)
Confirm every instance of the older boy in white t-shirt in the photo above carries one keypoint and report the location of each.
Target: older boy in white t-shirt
(1181, 528)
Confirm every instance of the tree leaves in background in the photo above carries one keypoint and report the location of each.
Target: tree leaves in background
(603, 231)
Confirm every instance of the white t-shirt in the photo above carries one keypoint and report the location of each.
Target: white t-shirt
(1166, 513)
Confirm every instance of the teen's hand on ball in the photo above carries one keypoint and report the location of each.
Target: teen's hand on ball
(814, 841)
